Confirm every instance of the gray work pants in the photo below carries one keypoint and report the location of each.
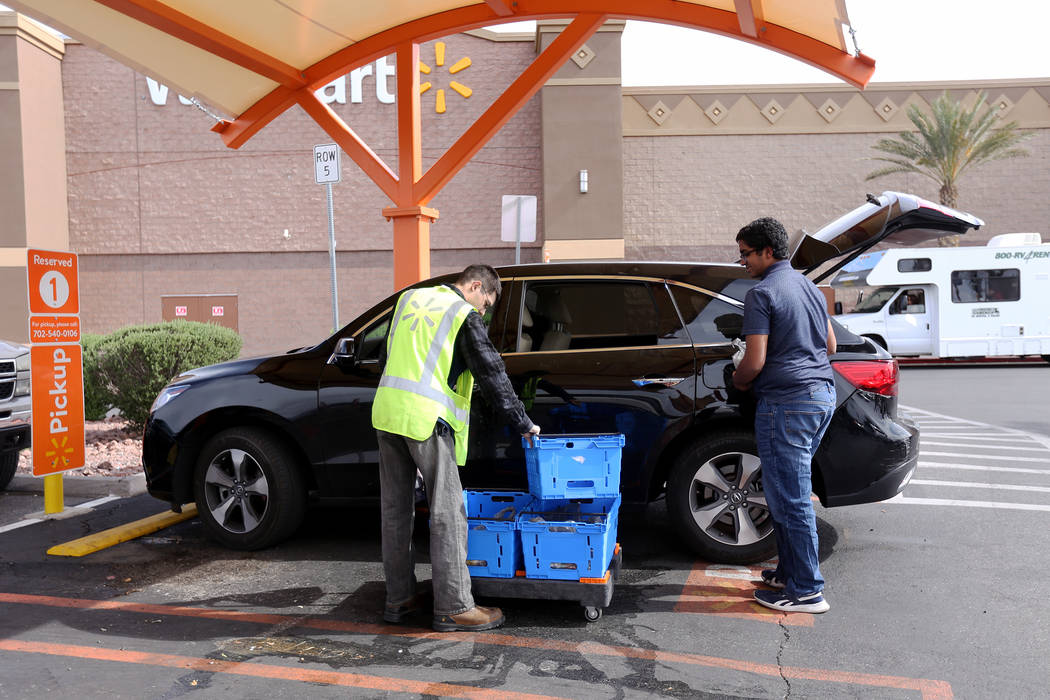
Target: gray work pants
(399, 458)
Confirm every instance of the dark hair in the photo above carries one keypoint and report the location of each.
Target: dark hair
(481, 273)
(764, 233)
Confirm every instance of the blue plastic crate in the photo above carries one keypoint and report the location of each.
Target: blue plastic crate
(569, 539)
(493, 539)
(574, 466)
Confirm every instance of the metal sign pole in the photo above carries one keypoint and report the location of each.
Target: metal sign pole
(331, 258)
(326, 171)
(517, 236)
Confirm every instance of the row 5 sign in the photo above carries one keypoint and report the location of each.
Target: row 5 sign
(57, 375)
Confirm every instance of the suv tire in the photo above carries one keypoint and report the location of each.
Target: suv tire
(8, 465)
(715, 499)
(248, 489)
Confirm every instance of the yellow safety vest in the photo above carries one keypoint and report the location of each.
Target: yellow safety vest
(413, 391)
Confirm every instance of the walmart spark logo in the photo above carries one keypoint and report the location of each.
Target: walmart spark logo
(439, 59)
(59, 456)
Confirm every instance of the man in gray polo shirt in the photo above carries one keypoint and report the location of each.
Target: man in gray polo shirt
(789, 338)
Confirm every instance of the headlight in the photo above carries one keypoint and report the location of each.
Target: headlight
(22, 387)
(22, 363)
(165, 396)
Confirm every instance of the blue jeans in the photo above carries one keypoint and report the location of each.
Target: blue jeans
(788, 432)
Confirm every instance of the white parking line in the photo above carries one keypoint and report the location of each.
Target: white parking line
(984, 437)
(1036, 448)
(79, 507)
(983, 468)
(20, 523)
(963, 503)
(97, 502)
(997, 457)
(919, 414)
(974, 485)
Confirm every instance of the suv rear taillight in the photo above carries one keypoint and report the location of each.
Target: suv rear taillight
(879, 376)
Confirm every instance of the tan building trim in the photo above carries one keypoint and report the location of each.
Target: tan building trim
(13, 257)
(8, 86)
(583, 81)
(557, 25)
(817, 109)
(35, 33)
(588, 249)
(490, 35)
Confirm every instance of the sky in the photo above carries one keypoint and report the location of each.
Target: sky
(910, 40)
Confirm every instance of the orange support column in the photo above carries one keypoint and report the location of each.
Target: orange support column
(411, 243)
(411, 221)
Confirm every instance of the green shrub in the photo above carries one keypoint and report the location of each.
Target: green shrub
(97, 399)
(136, 362)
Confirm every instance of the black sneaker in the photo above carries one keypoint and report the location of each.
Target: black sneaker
(769, 577)
(778, 600)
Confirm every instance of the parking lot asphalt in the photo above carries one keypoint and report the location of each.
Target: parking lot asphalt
(935, 595)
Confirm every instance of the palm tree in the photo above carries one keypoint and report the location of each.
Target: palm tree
(948, 142)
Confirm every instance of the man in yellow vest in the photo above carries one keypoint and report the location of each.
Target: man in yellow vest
(436, 348)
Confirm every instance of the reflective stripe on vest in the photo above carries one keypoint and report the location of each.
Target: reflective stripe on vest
(425, 385)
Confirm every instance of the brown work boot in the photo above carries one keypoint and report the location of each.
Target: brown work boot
(422, 600)
(476, 619)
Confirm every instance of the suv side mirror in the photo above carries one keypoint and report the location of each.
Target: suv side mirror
(343, 356)
(838, 308)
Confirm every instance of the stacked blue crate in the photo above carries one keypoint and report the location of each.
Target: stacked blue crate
(493, 540)
(569, 531)
(565, 527)
(569, 539)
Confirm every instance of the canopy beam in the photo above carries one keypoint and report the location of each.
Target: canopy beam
(161, 17)
(507, 104)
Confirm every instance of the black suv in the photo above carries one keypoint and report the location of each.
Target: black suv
(639, 348)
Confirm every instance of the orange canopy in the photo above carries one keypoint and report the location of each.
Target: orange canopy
(254, 59)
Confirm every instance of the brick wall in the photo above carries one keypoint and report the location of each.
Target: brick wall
(685, 197)
(158, 205)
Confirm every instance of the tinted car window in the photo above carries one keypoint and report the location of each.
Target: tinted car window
(372, 338)
(708, 320)
(571, 315)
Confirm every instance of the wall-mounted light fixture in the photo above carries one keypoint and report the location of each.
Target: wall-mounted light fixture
(583, 182)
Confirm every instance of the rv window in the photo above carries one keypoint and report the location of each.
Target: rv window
(914, 265)
(911, 301)
(876, 301)
(981, 286)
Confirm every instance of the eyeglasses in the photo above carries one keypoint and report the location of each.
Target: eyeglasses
(745, 254)
(489, 304)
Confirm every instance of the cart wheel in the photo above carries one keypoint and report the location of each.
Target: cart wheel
(592, 614)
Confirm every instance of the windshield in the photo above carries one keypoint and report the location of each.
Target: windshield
(876, 301)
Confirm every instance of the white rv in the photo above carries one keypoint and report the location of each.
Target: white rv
(983, 301)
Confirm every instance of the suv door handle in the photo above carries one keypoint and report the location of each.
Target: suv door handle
(666, 381)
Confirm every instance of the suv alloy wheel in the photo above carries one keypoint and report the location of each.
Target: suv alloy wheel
(248, 489)
(715, 498)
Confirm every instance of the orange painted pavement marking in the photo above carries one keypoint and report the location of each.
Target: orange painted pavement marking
(930, 689)
(259, 670)
(730, 596)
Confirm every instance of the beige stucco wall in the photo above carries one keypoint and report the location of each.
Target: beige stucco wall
(582, 124)
(693, 177)
(32, 160)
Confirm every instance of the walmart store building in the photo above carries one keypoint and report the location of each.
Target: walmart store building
(102, 160)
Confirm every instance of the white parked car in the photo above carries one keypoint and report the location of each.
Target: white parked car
(15, 407)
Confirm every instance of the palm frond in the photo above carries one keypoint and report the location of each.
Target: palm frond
(949, 139)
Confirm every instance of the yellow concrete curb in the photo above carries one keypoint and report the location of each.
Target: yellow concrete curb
(122, 533)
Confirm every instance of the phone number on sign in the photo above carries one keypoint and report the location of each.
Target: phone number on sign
(43, 334)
